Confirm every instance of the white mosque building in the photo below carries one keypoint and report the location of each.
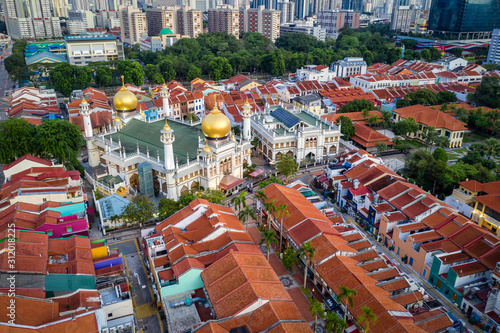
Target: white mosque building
(180, 156)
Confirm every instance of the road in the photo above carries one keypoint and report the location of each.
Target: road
(5, 85)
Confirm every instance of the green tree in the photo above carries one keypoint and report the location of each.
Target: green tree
(357, 105)
(405, 127)
(277, 63)
(386, 119)
(166, 68)
(316, 310)
(306, 252)
(347, 295)
(132, 72)
(58, 139)
(262, 197)
(150, 71)
(393, 55)
(487, 94)
(372, 120)
(290, 258)
(381, 147)
(443, 141)
(83, 76)
(168, 207)
(457, 52)
(271, 209)
(334, 323)
(492, 147)
(214, 196)
(140, 209)
(16, 139)
(191, 117)
(281, 211)
(490, 67)
(435, 54)
(247, 213)
(269, 181)
(440, 154)
(287, 166)
(63, 79)
(366, 318)
(193, 73)
(268, 237)
(426, 55)
(220, 69)
(103, 76)
(430, 135)
(239, 201)
(368, 57)
(346, 127)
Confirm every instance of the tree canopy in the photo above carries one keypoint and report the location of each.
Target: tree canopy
(487, 94)
(357, 105)
(287, 166)
(53, 139)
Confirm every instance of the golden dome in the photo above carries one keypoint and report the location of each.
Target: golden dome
(247, 103)
(167, 126)
(207, 149)
(117, 119)
(216, 124)
(125, 100)
(83, 101)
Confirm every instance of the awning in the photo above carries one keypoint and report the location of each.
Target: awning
(90, 210)
(228, 182)
(256, 173)
(319, 173)
(330, 303)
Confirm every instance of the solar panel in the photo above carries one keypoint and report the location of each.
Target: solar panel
(288, 119)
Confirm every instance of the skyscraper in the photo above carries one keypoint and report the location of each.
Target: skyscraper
(356, 5)
(287, 9)
(464, 18)
(225, 19)
(302, 8)
(31, 19)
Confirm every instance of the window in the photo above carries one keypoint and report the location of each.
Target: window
(49, 233)
(397, 252)
(411, 261)
(69, 229)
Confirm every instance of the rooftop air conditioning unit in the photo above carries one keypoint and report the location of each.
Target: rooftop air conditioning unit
(104, 330)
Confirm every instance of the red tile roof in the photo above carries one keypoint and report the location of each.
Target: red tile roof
(431, 116)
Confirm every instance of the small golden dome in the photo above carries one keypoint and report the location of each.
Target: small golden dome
(207, 149)
(167, 126)
(124, 100)
(83, 101)
(117, 119)
(216, 124)
(247, 103)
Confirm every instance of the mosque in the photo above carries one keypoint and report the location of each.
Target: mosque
(169, 155)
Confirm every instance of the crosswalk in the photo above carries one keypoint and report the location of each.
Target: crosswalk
(145, 310)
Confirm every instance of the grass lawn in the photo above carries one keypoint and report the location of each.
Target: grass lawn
(410, 144)
(452, 157)
(475, 136)
(461, 150)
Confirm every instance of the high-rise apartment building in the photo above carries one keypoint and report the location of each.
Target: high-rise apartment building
(189, 22)
(355, 5)
(265, 21)
(30, 19)
(133, 24)
(464, 18)
(302, 8)
(319, 6)
(494, 52)
(287, 11)
(156, 20)
(334, 20)
(224, 19)
(403, 17)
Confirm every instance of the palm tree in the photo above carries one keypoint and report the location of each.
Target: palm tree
(366, 318)
(244, 214)
(306, 251)
(271, 209)
(492, 147)
(334, 323)
(240, 200)
(316, 310)
(348, 294)
(262, 197)
(280, 212)
(191, 117)
(268, 238)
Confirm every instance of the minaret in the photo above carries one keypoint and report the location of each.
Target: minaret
(164, 94)
(92, 150)
(85, 112)
(247, 113)
(168, 139)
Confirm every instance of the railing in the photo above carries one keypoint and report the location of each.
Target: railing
(347, 144)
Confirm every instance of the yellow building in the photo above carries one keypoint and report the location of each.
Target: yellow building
(310, 103)
(444, 123)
